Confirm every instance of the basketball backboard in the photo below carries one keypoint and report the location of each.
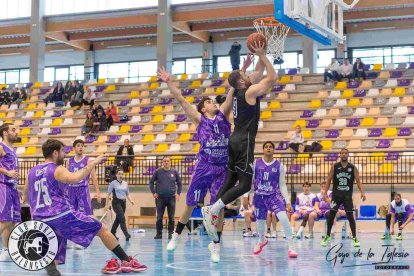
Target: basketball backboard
(321, 20)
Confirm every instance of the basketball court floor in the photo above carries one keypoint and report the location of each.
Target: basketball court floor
(192, 257)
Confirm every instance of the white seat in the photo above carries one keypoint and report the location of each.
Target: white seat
(160, 138)
(263, 105)
(394, 101)
(28, 115)
(169, 118)
(135, 119)
(335, 94)
(46, 122)
(373, 92)
(165, 93)
(391, 83)
(361, 132)
(409, 121)
(48, 113)
(320, 113)
(138, 148)
(401, 110)
(125, 137)
(360, 111)
(290, 87)
(45, 131)
(174, 148)
(134, 102)
(67, 122)
(340, 123)
(50, 106)
(206, 83)
(20, 150)
(194, 77)
(182, 127)
(340, 102)
(304, 70)
(389, 66)
(113, 129)
(13, 107)
(163, 85)
(260, 124)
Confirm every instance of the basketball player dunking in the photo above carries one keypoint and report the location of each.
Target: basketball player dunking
(246, 112)
(343, 174)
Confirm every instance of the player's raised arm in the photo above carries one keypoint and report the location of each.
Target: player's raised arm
(64, 176)
(257, 75)
(257, 90)
(226, 107)
(188, 108)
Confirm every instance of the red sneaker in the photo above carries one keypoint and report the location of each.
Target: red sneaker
(112, 266)
(135, 266)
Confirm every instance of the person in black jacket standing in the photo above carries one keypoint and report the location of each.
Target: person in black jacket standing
(234, 54)
(125, 156)
(165, 185)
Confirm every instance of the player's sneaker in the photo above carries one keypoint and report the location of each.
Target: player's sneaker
(52, 270)
(399, 237)
(309, 236)
(215, 252)
(386, 237)
(4, 255)
(268, 235)
(113, 266)
(292, 254)
(259, 247)
(172, 244)
(135, 266)
(355, 242)
(274, 235)
(325, 240)
(210, 221)
(248, 234)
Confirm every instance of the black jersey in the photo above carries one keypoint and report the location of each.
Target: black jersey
(246, 116)
(343, 178)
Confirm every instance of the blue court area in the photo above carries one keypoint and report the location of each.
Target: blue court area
(192, 257)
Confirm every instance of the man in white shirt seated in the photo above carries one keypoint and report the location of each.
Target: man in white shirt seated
(332, 71)
(345, 70)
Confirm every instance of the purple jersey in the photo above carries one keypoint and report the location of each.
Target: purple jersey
(305, 202)
(8, 162)
(266, 177)
(323, 205)
(213, 136)
(75, 166)
(46, 197)
(404, 208)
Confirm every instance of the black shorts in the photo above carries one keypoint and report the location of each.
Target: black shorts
(241, 153)
(345, 199)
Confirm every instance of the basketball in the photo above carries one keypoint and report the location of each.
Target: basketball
(255, 37)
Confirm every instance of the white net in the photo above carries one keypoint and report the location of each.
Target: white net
(275, 34)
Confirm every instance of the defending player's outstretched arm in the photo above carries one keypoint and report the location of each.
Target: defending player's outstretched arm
(64, 176)
(188, 108)
(226, 107)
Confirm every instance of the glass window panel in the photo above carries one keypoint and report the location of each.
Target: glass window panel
(409, 50)
(178, 67)
(103, 71)
(49, 74)
(24, 76)
(147, 68)
(223, 64)
(77, 72)
(324, 59)
(133, 70)
(193, 65)
(133, 80)
(12, 76)
(62, 74)
(118, 70)
(24, 8)
(2, 77)
(290, 60)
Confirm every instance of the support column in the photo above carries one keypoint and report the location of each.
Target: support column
(207, 57)
(37, 41)
(89, 65)
(310, 53)
(164, 34)
(340, 50)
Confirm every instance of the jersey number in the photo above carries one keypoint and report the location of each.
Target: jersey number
(43, 192)
(343, 181)
(197, 194)
(216, 129)
(266, 175)
(235, 108)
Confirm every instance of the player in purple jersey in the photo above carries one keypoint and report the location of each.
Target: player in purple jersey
(270, 194)
(9, 197)
(400, 211)
(213, 130)
(44, 193)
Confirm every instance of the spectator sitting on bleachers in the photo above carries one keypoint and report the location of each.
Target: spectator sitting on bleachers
(56, 95)
(125, 156)
(297, 140)
(331, 71)
(346, 70)
(96, 108)
(305, 203)
(358, 69)
(15, 94)
(99, 123)
(249, 217)
(89, 98)
(4, 97)
(111, 113)
(21, 96)
(87, 127)
(70, 90)
(77, 97)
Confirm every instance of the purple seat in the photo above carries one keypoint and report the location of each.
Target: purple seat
(180, 118)
(27, 123)
(166, 101)
(331, 157)
(372, 75)
(216, 83)
(396, 74)
(360, 93)
(194, 137)
(67, 149)
(404, 82)
(292, 71)
(353, 84)
(55, 131)
(283, 145)
(197, 100)
(384, 144)
(187, 92)
(354, 122)
(333, 133)
(375, 132)
(113, 139)
(307, 114)
(145, 110)
(123, 103)
(367, 67)
(312, 124)
(188, 159)
(90, 139)
(150, 170)
(44, 91)
(101, 88)
(277, 88)
(57, 113)
(189, 170)
(29, 84)
(135, 129)
(294, 169)
(405, 131)
(411, 65)
(411, 110)
(392, 156)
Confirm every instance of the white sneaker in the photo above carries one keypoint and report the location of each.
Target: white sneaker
(215, 252)
(172, 245)
(259, 247)
(210, 221)
(309, 236)
(274, 235)
(248, 234)
(268, 235)
(4, 256)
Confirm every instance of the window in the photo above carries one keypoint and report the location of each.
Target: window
(77, 72)
(24, 76)
(49, 74)
(2, 77)
(12, 76)
(324, 59)
(62, 74)
(178, 67)
(193, 65)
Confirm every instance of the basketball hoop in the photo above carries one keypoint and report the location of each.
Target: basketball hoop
(275, 34)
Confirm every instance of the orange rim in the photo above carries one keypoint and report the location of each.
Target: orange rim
(268, 21)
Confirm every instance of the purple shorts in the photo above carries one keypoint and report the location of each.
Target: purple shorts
(79, 198)
(300, 215)
(76, 227)
(324, 211)
(9, 204)
(206, 177)
(264, 203)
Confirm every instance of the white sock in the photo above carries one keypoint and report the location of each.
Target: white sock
(261, 229)
(299, 231)
(282, 216)
(217, 206)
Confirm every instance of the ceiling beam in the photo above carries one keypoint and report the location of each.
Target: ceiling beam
(63, 37)
(184, 27)
(26, 50)
(14, 30)
(386, 14)
(112, 33)
(396, 24)
(222, 25)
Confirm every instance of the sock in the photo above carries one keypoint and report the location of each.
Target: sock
(217, 206)
(282, 216)
(219, 236)
(299, 231)
(180, 227)
(293, 229)
(268, 230)
(261, 229)
(120, 253)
